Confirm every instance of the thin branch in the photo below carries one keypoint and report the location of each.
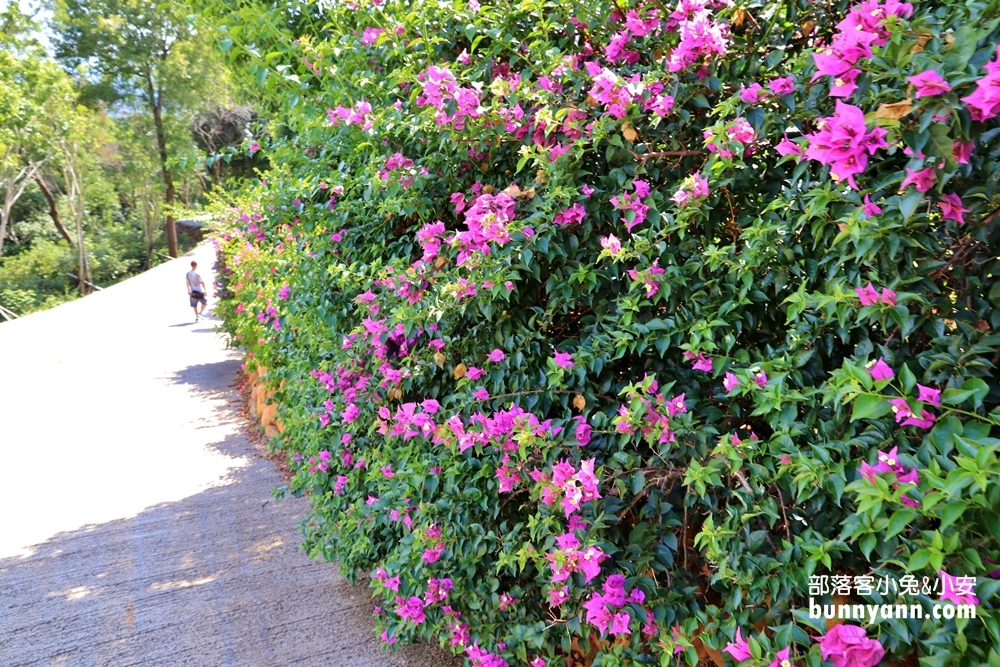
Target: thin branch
(645, 157)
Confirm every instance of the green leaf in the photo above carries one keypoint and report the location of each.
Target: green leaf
(900, 520)
(867, 544)
(918, 560)
(962, 49)
(906, 377)
(956, 396)
(993, 524)
(909, 203)
(952, 512)
(868, 406)
(941, 144)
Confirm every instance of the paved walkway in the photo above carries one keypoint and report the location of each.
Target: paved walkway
(136, 522)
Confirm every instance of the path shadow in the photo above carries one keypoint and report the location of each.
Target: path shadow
(214, 579)
(185, 324)
(209, 378)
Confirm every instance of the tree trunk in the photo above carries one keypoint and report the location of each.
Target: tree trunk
(156, 105)
(13, 188)
(53, 210)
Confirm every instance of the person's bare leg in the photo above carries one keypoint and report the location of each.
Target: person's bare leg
(195, 309)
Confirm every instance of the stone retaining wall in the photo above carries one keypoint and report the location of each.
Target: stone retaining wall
(266, 412)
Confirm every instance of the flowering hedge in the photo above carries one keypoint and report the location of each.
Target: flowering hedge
(606, 329)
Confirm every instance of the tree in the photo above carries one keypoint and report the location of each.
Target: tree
(31, 86)
(144, 56)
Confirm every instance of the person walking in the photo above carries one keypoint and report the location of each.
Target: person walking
(197, 292)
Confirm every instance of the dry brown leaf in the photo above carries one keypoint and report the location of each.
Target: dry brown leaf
(395, 394)
(922, 39)
(439, 359)
(949, 39)
(579, 402)
(439, 262)
(894, 111)
(460, 371)
(513, 191)
(706, 653)
(739, 16)
(485, 166)
(529, 193)
(540, 176)
(591, 101)
(489, 189)
(837, 601)
(807, 28)
(629, 132)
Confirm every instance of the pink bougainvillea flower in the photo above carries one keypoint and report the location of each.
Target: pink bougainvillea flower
(962, 150)
(662, 105)
(760, 377)
(781, 658)
(984, 102)
(370, 35)
(619, 624)
(753, 93)
(339, 486)
(960, 590)
(474, 373)
(614, 590)
(929, 83)
(611, 244)
(867, 295)
(586, 190)
(900, 408)
(929, 395)
(784, 85)
(692, 187)
(597, 612)
(481, 394)
(787, 147)
(676, 405)
(952, 209)
(590, 562)
(558, 596)
(869, 209)
(538, 661)
(496, 356)
(412, 609)
(844, 142)
(730, 382)
(888, 297)
(571, 216)
(849, 646)
(387, 472)
(923, 179)
(739, 649)
(702, 363)
(880, 370)
(845, 84)
(924, 421)
(564, 360)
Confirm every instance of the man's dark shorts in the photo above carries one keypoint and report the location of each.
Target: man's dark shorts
(196, 298)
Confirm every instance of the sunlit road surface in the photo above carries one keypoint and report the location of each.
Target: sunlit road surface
(136, 524)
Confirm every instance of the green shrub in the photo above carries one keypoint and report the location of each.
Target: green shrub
(567, 322)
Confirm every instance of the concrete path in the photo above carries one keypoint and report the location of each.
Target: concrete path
(136, 520)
